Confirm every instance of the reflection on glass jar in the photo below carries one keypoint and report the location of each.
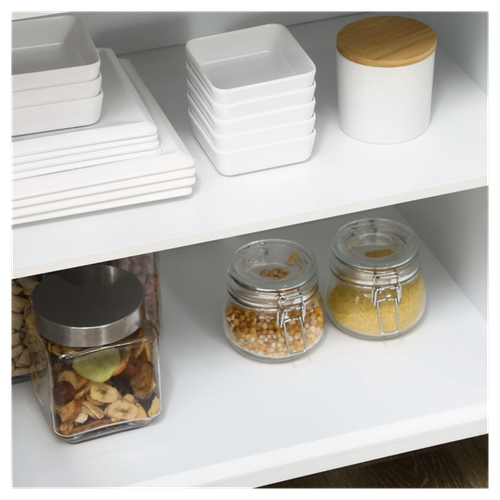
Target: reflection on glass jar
(376, 289)
(273, 311)
(93, 353)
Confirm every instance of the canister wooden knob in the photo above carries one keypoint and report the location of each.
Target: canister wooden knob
(386, 41)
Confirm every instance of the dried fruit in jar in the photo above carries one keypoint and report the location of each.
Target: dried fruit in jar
(84, 399)
(98, 366)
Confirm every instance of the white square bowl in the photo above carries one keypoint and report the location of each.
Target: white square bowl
(251, 63)
(241, 161)
(59, 93)
(51, 51)
(254, 122)
(249, 108)
(61, 115)
(257, 138)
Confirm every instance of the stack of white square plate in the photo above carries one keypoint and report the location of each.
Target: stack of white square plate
(56, 82)
(251, 98)
(131, 155)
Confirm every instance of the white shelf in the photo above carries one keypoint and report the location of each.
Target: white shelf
(231, 421)
(342, 176)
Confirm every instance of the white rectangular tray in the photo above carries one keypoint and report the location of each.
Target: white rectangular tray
(87, 201)
(88, 158)
(123, 116)
(105, 205)
(105, 187)
(49, 155)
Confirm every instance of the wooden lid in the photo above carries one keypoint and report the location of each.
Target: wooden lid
(386, 41)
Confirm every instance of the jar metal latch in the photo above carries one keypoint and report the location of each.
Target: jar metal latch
(288, 302)
(386, 287)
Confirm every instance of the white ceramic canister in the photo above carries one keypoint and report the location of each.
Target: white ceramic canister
(385, 70)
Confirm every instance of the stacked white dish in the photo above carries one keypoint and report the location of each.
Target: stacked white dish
(56, 82)
(251, 98)
(131, 155)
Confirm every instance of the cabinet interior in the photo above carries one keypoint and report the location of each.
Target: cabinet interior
(230, 421)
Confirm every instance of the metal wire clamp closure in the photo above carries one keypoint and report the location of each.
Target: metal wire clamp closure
(383, 283)
(292, 301)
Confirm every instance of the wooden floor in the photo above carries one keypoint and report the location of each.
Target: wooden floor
(462, 464)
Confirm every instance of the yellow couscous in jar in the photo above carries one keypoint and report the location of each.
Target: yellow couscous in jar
(376, 288)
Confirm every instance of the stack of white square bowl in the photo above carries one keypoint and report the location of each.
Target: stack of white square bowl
(56, 82)
(251, 98)
(131, 154)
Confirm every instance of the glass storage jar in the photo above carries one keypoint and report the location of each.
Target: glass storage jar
(93, 352)
(376, 289)
(146, 268)
(273, 310)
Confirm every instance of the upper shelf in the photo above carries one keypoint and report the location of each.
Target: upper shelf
(342, 176)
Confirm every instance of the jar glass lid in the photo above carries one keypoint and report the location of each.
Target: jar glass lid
(370, 246)
(88, 306)
(267, 268)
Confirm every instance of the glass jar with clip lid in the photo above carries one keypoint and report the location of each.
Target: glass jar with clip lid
(273, 311)
(376, 289)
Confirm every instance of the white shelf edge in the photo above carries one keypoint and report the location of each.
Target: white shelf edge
(350, 449)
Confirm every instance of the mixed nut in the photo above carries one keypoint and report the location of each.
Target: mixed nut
(22, 288)
(145, 268)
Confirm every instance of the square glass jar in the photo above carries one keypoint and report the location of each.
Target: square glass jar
(105, 378)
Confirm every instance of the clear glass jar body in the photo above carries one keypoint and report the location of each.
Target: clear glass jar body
(273, 310)
(376, 289)
(146, 268)
(257, 333)
(351, 308)
(92, 392)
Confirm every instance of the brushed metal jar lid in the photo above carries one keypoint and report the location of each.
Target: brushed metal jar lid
(88, 306)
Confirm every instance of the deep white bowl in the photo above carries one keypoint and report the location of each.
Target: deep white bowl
(50, 51)
(249, 108)
(60, 115)
(255, 122)
(251, 63)
(59, 93)
(240, 161)
(257, 138)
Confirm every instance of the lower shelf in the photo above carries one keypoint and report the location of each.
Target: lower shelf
(231, 421)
